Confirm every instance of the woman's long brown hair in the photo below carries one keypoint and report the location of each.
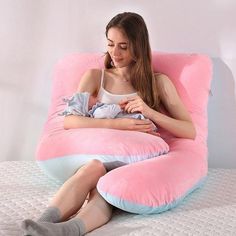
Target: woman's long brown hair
(141, 72)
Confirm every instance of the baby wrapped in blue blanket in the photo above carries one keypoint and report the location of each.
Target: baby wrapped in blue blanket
(78, 104)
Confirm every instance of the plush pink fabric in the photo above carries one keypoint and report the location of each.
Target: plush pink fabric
(61, 152)
(163, 182)
(149, 186)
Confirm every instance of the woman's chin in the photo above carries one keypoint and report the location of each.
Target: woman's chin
(120, 65)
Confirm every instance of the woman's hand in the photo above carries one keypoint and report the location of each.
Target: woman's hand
(131, 124)
(135, 104)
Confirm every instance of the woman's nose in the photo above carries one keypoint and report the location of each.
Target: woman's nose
(116, 51)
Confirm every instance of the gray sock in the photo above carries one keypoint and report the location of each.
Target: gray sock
(113, 165)
(73, 227)
(51, 214)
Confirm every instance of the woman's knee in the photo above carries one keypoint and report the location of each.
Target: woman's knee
(93, 168)
(96, 166)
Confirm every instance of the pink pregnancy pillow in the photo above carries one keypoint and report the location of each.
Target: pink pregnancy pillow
(152, 182)
(159, 184)
(62, 152)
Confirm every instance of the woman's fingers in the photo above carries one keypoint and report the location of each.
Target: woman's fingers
(155, 133)
(143, 125)
(142, 122)
(132, 106)
(125, 103)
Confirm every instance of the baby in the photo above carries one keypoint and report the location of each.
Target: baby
(82, 104)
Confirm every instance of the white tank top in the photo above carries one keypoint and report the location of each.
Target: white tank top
(106, 97)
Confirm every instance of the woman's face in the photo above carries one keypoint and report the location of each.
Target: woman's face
(118, 47)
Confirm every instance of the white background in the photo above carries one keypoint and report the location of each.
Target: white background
(35, 34)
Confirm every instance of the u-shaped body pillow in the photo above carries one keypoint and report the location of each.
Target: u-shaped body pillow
(161, 171)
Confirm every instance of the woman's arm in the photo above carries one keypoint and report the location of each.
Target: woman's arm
(73, 121)
(179, 124)
(90, 83)
(179, 128)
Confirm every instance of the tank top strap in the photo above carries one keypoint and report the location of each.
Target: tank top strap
(102, 78)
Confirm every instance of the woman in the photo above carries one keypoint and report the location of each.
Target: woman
(127, 80)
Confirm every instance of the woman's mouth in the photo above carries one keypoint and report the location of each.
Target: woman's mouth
(117, 59)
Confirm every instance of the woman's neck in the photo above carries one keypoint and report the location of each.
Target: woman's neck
(123, 72)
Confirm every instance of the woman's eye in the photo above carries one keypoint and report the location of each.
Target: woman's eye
(121, 47)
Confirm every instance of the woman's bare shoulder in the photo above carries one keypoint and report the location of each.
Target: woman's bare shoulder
(93, 73)
(90, 80)
(162, 80)
(160, 77)
(166, 88)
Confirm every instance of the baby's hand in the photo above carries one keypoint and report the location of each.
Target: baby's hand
(92, 101)
(123, 103)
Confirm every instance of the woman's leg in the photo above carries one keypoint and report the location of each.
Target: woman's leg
(71, 196)
(96, 213)
(74, 191)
